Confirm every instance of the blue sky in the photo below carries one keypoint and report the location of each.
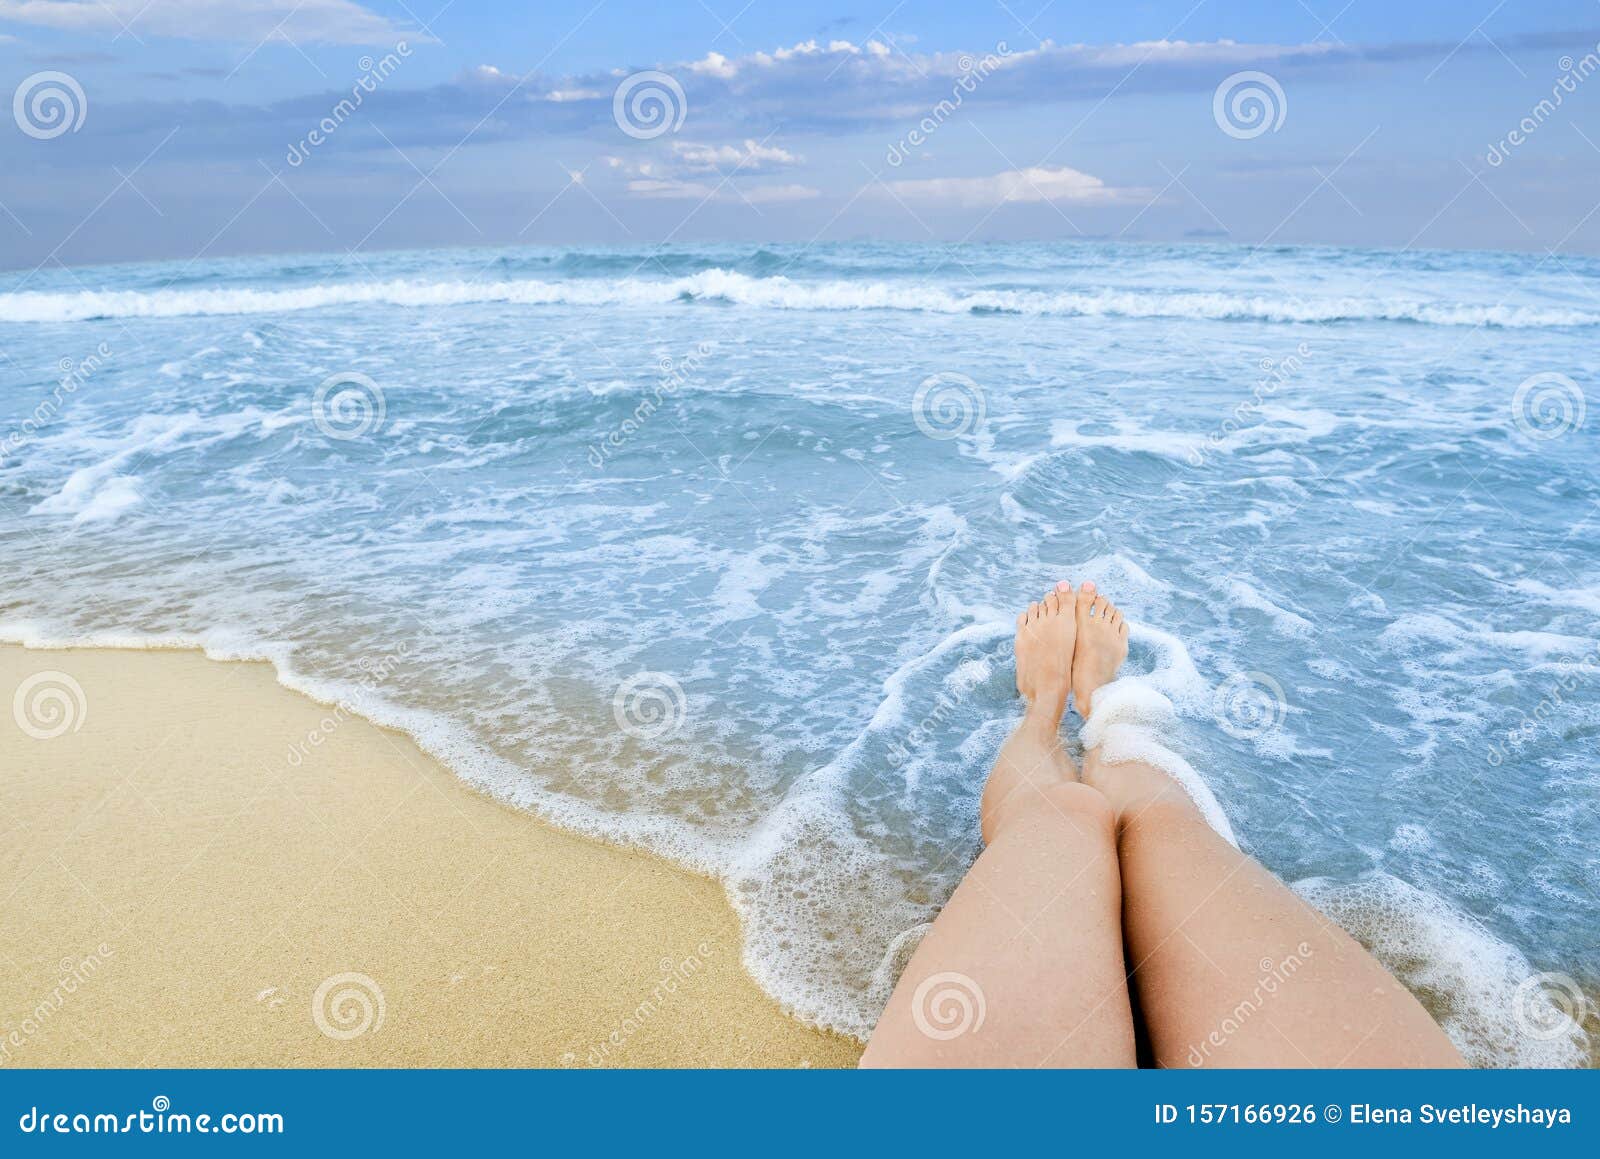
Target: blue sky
(205, 123)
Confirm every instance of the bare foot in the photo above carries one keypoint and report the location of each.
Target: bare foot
(1101, 648)
(1045, 636)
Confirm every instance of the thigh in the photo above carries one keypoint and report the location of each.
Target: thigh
(1232, 968)
(1024, 966)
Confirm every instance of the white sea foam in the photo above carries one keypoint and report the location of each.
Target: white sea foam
(1127, 724)
(778, 293)
(1480, 988)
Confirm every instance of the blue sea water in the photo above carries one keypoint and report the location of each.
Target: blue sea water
(716, 549)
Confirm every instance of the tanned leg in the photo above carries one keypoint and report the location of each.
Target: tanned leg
(1024, 965)
(1231, 967)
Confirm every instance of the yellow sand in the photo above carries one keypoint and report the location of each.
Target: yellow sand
(175, 892)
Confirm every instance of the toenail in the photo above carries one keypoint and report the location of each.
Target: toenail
(1088, 585)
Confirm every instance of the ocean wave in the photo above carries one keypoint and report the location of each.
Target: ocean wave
(775, 293)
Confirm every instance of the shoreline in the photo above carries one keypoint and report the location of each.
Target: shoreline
(182, 894)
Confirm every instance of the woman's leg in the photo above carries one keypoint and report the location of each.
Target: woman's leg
(1024, 965)
(1232, 968)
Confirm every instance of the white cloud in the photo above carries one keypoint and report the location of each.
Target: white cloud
(1016, 185)
(750, 157)
(252, 21)
(673, 189)
(714, 64)
(877, 56)
(668, 188)
(766, 194)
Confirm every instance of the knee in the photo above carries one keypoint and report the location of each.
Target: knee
(1069, 803)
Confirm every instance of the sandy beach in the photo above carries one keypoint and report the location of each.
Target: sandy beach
(180, 893)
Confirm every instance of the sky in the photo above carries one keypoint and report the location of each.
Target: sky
(176, 129)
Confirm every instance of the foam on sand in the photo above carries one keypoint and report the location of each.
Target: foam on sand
(541, 949)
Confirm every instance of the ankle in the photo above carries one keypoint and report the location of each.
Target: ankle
(1042, 716)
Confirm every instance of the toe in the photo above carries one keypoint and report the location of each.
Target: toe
(1085, 596)
(1022, 618)
(1098, 612)
(1033, 612)
(1051, 604)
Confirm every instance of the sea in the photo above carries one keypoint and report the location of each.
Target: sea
(715, 550)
